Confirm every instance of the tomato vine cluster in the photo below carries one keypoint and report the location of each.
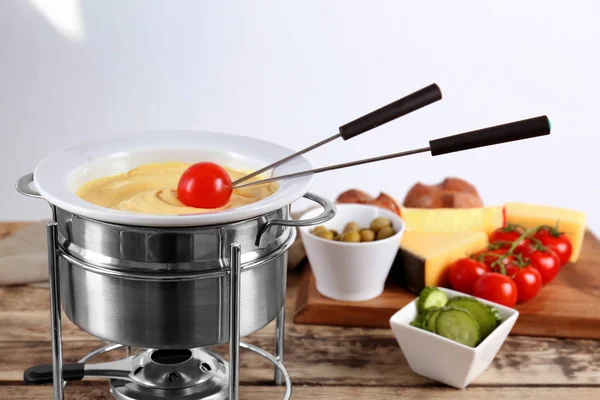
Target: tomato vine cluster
(515, 265)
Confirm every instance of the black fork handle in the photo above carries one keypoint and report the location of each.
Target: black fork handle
(397, 109)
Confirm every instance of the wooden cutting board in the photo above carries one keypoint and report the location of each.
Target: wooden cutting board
(567, 307)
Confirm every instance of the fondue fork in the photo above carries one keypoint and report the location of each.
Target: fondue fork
(385, 114)
(518, 130)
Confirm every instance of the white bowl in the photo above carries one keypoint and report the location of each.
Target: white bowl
(351, 271)
(445, 360)
(58, 176)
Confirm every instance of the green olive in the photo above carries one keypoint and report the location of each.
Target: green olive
(324, 235)
(379, 223)
(319, 228)
(334, 232)
(337, 238)
(367, 235)
(351, 226)
(351, 236)
(385, 232)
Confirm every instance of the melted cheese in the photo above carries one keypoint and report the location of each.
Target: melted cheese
(152, 189)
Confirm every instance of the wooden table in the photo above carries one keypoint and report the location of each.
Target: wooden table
(324, 362)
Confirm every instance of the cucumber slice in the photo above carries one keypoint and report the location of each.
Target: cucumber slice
(416, 323)
(484, 316)
(458, 325)
(430, 322)
(426, 315)
(431, 297)
(496, 313)
(419, 321)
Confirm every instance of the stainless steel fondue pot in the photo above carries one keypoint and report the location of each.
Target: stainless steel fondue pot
(171, 282)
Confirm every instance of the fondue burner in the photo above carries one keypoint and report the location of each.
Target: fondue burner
(176, 308)
(164, 374)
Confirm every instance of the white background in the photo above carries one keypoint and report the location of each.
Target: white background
(292, 72)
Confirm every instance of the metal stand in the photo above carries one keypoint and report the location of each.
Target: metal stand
(281, 374)
(235, 272)
(55, 315)
(279, 342)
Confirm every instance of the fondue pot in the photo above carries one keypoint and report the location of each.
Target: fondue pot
(160, 281)
(167, 282)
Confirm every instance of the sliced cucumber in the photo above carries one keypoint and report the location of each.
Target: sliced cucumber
(423, 318)
(431, 297)
(483, 315)
(416, 323)
(430, 322)
(496, 313)
(419, 322)
(458, 325)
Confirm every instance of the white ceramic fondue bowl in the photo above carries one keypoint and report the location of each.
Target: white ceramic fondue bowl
(58, 176)
(352, 271)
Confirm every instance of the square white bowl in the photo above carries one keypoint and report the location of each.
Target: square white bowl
(444, 360)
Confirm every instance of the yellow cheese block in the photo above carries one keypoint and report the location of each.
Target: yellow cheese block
(484, 219)
(424, 257)
(572, 223)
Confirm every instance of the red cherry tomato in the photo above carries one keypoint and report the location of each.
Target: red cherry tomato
(204, 185)
(510, 267)
(509, 235)
(525, 251)
(508, 261)
(497, 288)
(529, 283)
(558, 241)
(488, 257)
(547, 263)
(504, 235)
(464, 273)
(491, 257)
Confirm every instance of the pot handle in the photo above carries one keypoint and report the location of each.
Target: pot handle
(326, 215)
(23, 186)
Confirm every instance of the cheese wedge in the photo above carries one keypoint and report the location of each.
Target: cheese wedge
(424, 257)
(483, 219)
(572, 223)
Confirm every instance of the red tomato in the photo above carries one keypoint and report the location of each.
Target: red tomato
(204, 185)
(464, 273)
(529, 283)
(509, 236)
(510, 268)
(497, 288)
(489, 256)
(558, 241)
(547, 263)
(526, 250)
(504, 235)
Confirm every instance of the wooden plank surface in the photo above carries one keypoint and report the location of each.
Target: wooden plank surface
(99, 391)
(567, 307)
(324, 362)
